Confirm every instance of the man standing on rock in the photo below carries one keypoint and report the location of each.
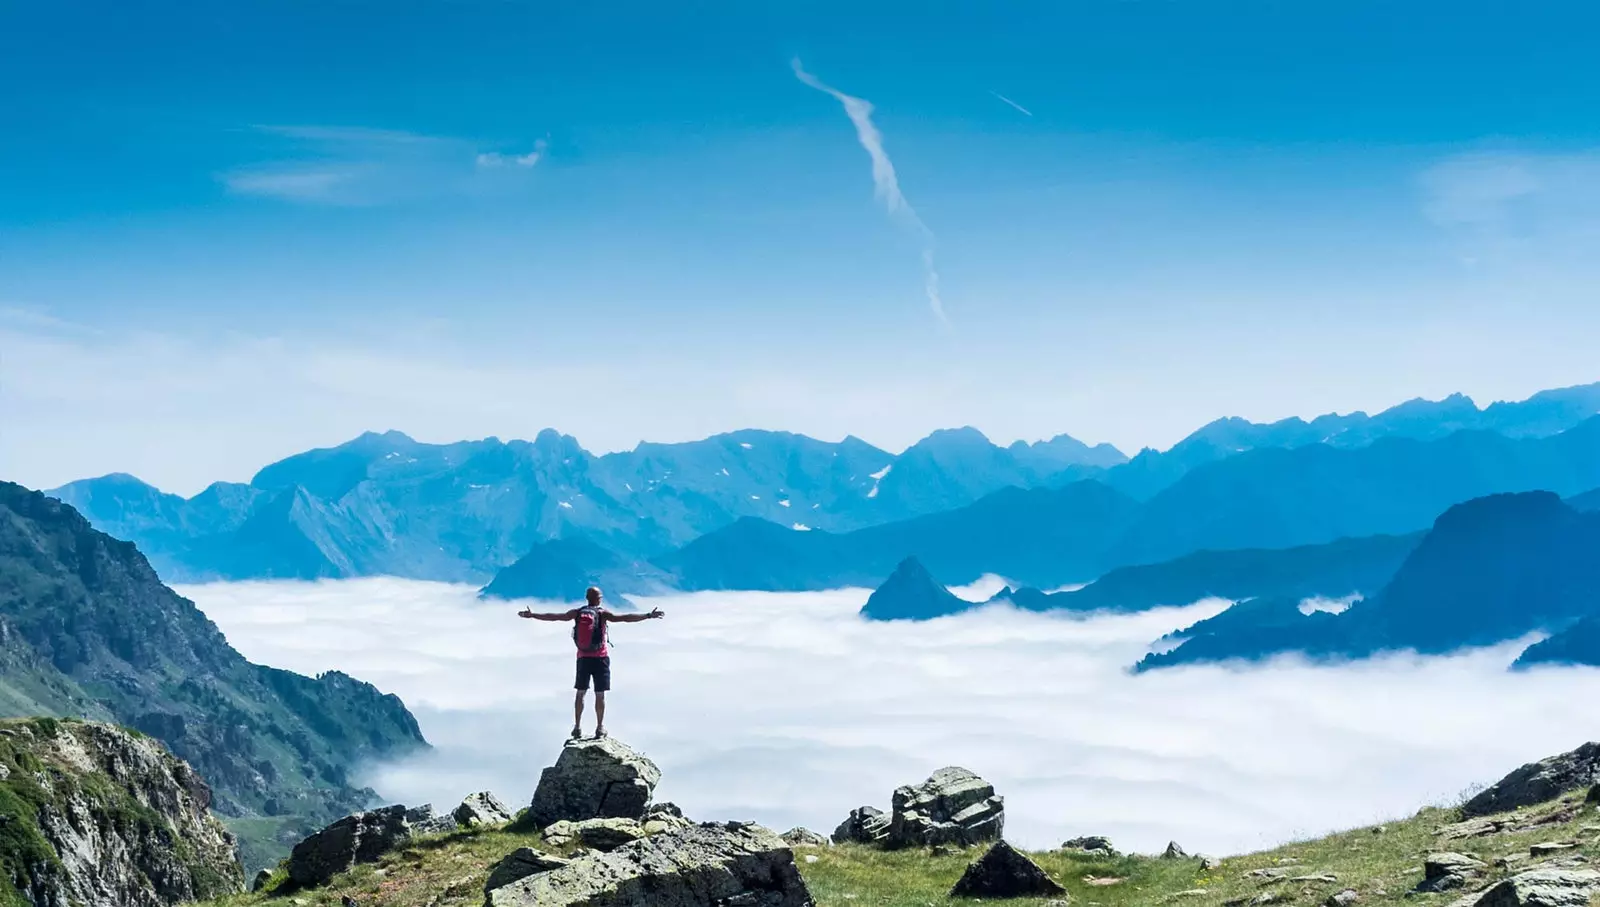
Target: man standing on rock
(594, 658)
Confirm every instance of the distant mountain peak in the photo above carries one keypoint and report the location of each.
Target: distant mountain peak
(911, 593)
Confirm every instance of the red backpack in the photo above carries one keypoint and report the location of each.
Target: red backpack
(589, 631)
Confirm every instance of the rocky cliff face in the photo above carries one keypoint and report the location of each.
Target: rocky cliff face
(87, 630)
(95, 816)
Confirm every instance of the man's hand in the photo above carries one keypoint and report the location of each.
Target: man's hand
(525, 613)
(658, 613)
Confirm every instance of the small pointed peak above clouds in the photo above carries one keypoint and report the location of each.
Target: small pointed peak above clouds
(911, 593)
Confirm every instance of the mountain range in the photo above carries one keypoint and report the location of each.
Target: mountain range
(387, 504)
(1491, 570)
(88, 631)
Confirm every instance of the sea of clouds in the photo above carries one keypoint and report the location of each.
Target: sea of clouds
(790, 710)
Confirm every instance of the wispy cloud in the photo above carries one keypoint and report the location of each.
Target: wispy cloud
(357, 166)
(497, 159)
(1024, 111)
(886, 185)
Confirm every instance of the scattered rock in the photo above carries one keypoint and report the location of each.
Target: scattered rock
(1271, 875)
(1543, 888)
(864, 825)
(1447, 871)
(1326, 878)
(1097, 844)
(1594, 795)
(348, 901)
(1539, 782)
(519, 864)
(954, 806)
(1209, 863)
(803, 837)
(1173, 852)
(261, 880)
(733, 865)
(424, 821)
(594, 779)
(1342, 898)
(1377, 830)
(1102, 881)
(1004, 872)
(1190, 893)
(811, 858)
(482, 808)
(1271, 897)
(603, 835)
(1548, 848)
(358, 838)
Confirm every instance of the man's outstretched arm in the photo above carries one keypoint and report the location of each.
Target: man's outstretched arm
(548, 615)
(635, 618)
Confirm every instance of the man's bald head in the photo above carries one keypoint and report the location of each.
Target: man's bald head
(593, 595)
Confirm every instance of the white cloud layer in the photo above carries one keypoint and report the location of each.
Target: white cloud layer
(789, 710)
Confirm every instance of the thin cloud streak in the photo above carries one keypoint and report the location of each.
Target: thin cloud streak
(1025, 111)
(886, 185)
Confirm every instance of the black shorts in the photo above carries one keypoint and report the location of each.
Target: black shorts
(599, 669)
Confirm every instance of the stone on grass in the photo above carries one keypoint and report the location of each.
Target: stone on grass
(519, 864)
(731, 865)
(954, 806)
(864, 825)
(1095, 844)
(1448, 871)
(594, 779)
(482, 808)
(803, 837)
(1539, 782)
(358, 838)
(1544, 888)
(1004, 872)
(1342, 898)
(1174, 852)
(261, 880)
(1548, 848)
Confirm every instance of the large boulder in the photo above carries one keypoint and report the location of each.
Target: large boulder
(1539, 782)
(1544, 888)
(800, 836)
(358, 838)
(864, 825)
(700, 866)
(424, 820)
(1099, 845)
(954, 806)
(1004, 872)
(482, 808)
(594, 779)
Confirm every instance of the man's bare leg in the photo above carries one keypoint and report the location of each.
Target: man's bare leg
(599, 713)
(577, 711)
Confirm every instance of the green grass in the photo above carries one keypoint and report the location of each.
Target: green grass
(1383, 866)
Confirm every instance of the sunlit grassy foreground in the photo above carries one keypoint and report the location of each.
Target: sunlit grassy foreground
(1381, 864)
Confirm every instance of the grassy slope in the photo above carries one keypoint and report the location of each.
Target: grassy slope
(1382, 865)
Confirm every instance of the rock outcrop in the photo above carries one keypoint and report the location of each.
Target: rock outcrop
(700, 866)
(594, 779)
(1004, 872)
(94, 816)
(954, 806)
(357, 838)
(864, 825)
(1174, 852)
(1539, 782)
(425, 820)
(599, 834)
(519, 864)
(482, 808)
(1543, 888)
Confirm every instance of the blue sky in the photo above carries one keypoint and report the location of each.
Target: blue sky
(229, 232)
